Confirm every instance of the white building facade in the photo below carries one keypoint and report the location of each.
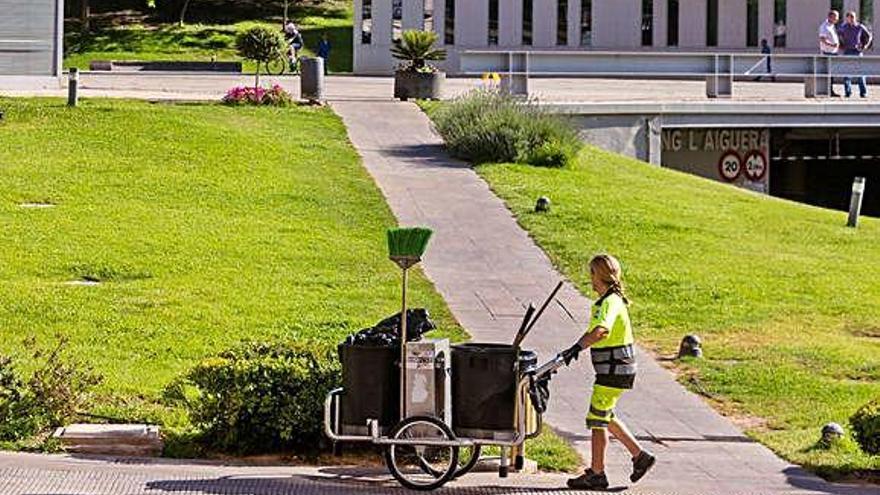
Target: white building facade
(789, 26)
(31, 38)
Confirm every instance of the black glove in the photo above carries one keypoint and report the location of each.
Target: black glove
(571, 354)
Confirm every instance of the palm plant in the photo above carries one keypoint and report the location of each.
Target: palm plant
(417, 48)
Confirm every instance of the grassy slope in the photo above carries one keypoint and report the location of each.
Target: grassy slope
(785, 297)
(201, 42)
(206, 224)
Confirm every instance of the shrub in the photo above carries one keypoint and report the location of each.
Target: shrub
(416, 49)
(56, 391)
(866, 427)
(246, 95)
(260, 397)
(486, 126)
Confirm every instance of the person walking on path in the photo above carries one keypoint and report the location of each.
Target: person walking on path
(610, 339)
(854, 40)
(324, 50)
(829, 41)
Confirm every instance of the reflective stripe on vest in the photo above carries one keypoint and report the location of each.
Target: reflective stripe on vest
(615, 366)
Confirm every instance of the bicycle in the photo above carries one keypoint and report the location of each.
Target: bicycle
(281, 63)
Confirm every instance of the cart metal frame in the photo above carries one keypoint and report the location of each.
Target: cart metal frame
(332, 415)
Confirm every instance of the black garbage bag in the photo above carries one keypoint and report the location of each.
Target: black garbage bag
(539, 392)
(386, 333)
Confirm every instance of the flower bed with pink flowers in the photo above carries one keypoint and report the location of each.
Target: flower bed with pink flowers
(250, 95)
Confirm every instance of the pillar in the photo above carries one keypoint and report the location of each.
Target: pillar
(766, 12)
(574, 23)
(692, 23)
(617, 24)
(544, 24)
(472, 23)
(509, 23)
(732, 24)
(848, 5)
(660, 18)
(804, 18)
(413, 14)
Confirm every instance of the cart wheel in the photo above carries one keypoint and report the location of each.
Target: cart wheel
(422, 467)
(468, 457)
(468, 460)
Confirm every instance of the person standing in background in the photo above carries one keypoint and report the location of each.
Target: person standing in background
(829, 41)
(324, 50)
(854, 40)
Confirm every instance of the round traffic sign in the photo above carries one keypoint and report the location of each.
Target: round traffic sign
(730, 165)
(755, 165)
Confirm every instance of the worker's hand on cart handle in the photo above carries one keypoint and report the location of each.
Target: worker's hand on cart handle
(571, 354)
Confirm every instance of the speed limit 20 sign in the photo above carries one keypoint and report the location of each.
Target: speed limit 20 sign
(730, 166)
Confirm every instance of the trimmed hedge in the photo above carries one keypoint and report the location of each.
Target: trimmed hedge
(866, 427)
(260, 397)
(491, 126)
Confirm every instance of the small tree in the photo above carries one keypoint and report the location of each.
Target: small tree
(261, 45)
(417, 48)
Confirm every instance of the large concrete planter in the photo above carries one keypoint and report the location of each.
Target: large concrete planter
(418, 85)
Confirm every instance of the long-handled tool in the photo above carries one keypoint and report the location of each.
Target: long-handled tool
(406, 247)
(520, 336)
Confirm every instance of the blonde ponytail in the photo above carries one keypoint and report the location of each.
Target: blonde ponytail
(608, 269)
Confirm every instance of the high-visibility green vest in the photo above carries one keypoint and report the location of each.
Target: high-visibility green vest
(614, 356)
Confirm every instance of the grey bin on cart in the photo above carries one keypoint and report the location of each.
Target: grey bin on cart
(371, 380)
(484, 380)
(311, 80)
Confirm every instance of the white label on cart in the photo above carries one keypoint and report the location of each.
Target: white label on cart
(420, 361)
(419, 393)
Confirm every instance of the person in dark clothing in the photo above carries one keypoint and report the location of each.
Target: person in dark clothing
(324, 50)
(767, 52)
(854, 40)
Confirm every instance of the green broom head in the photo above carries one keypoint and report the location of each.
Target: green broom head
(408, 242)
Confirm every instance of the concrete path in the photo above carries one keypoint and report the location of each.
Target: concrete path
(488, 269)
(189, 86)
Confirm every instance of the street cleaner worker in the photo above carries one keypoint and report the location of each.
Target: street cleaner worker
(610, 340)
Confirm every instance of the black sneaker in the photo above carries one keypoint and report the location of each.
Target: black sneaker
(589, 481)
(641, 465)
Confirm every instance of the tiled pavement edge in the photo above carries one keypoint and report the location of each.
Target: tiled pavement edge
(488, 269)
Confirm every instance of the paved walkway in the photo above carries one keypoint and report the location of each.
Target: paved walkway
(176, 86)
(488, 269)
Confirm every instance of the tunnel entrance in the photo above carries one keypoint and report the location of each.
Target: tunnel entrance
(817, 166)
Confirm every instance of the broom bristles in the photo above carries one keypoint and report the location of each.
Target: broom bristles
(408, 242)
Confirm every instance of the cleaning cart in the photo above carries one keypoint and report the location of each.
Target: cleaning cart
(452, 401)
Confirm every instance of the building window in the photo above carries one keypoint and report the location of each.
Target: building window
(780, 18)
(711, 22)
(866, 11)
(647, 22)
(367, 22)
(672, 23)
(837, 5)
(396, 20)
(493, 22)
(562, 22)
(586, 22)
(752, 22)
(449, 23)
(527, 13)
(428, 23)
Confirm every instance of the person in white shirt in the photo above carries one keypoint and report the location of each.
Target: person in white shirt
(829, 41)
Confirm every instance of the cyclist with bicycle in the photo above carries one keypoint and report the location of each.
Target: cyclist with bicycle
(294, 43)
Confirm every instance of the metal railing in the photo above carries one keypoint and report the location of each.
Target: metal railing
(719, 69)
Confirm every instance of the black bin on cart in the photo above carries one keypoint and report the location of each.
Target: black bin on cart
(484, 381)
(371, 382)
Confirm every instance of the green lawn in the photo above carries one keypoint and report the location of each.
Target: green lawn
(785, 297)
(204, 224)
(150, 40)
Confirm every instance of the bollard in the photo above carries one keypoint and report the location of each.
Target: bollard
(311, 80)
(691, 346)
(542, 205)
(831, 433)
(855, 202)
(73, 87)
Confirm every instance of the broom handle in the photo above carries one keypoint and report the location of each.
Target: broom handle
(538, 315)
(403, 350)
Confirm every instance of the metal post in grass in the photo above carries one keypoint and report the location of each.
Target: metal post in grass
(855, 202)
(405, 248)
(73, 87)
